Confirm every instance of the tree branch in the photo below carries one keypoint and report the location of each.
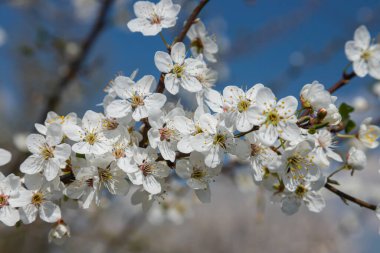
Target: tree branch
(161, 84)
(343, 81)
(350, 198)
(75, 65)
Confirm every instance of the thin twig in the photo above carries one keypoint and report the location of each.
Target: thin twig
(75, 65)
(343, 81)
(161, 84)
(345, 196)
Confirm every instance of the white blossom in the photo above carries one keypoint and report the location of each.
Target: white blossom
(151, 18)
(48, 153)
(364, 55)
(136, 98)
(368, 134)
(201, 42)
(178, 70)
(356, 159)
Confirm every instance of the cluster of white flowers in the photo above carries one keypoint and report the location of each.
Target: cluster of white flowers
(141, 139)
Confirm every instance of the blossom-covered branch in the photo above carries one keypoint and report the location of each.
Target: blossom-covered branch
(142, 140)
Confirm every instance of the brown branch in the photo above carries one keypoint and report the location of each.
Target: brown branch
(161, 84)
(345, 197)
(343, 81)
(75, 65)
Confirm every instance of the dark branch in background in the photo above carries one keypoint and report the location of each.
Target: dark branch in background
(161, 85)
(345, 197)
(75, 65)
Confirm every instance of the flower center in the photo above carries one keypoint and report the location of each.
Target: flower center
(301, 191)
(198, 130)
(243, 105)
(197, 43)
(47, 152)
(90, 138)
(255, 149)
(105, 175)
(273, 118)
(178, 70)
(146, 168)
(220, 139)
(197, 173)
(118, 153)
(155, 19)
(136, 101)
(371, 135)
(366, 55)
(3, 200)
(37, 198)
(165, 134)
(110, 124)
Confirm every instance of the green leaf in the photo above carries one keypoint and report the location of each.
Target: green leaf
(345, 110)
(350, 125)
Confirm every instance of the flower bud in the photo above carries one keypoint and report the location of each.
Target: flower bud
(59, 232)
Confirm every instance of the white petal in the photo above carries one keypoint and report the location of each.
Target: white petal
(9, 216)
(172, 83)
(151, 184)
(315, 202)
(154, 102)
(233, 94)
(290, 205)
(74, 132)
(183, 169)
(51, 170)
(163, 61)
(166, 151)
(287, 106)
(242, 122)
(143, 9)
(203, 195)
(178, 53)
(214, 157)
(268, 134)
(118, 108)
(5, 157)
(184, 145)
(360, 67)
(144, 26)
(50, 212)
(34, 142)
(191, 83)
(208, 123)
(353, 52)
(92, 120)
(362, 37)
(28, 213)
(33, 164)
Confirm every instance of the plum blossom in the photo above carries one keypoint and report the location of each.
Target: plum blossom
(305, 192)
(236, 103)
(44, 192)
(364, 55)
(147, 171)
(356, 159)
(137, 98)
(214, 140)
(197, 174)
(276, 119)
(151, 18)
(368, 134)
(201, 42)
(163, 133)
(12, 196)
(90, 136)
(48, 153)
(178, 70)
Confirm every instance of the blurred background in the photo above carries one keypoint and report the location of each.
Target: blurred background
(60, 55)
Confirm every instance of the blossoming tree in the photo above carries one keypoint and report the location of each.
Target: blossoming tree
(143, 140)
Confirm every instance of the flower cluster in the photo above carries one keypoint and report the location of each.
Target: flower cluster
(142, 139)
